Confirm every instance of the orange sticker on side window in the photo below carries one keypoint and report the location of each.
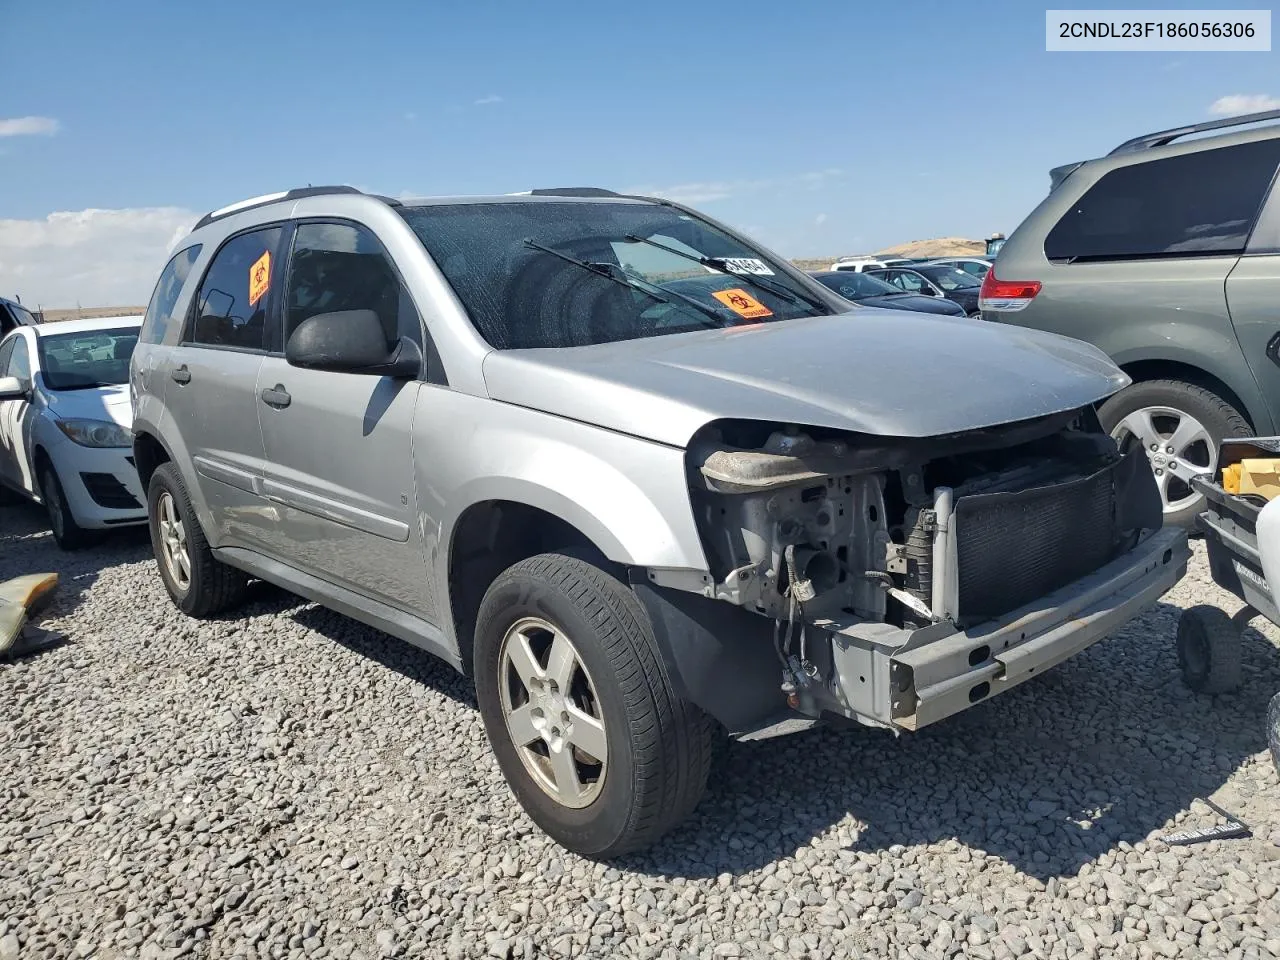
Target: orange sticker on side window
(742, 303)
(259, 277)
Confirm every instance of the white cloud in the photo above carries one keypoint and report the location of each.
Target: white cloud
(485, 101)
(707, 191)
(95, 257)
(29, 127)
(820, 219)
(1243, 103)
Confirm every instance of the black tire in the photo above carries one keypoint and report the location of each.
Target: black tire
(1219, 418)
(1273, 730)
(68, 534)
(214, 587)
(659, 746)
(1209, 650)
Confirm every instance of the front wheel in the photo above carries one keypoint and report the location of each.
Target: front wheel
(1178, 426)
(68, 534)
(579, 709)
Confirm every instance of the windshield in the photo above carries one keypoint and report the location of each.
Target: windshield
(949, 278)
(91, 358)
(853, 286)
(22, 314)
(512, 266)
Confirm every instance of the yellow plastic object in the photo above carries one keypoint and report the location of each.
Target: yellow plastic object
(1260, 477)
(18, 597)
(1231, 478)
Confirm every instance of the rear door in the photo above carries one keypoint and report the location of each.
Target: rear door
(213, 371)
(339, 457)
(161, 329)
(1253, 297)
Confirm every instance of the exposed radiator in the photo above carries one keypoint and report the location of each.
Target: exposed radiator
(1013, 547)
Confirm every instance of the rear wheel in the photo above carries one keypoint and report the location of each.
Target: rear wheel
(579, 709)
(1178, 426)
(198, 583)
(68, 534)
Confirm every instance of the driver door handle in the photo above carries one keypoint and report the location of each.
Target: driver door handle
(181, 374)
(276, 396)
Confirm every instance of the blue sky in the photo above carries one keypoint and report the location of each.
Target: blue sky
(822, 128)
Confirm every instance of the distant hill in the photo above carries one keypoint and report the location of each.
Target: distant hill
(83, 313)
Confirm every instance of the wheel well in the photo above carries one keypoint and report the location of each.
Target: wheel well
(490, 537)
(148, 453)
(1143, 370)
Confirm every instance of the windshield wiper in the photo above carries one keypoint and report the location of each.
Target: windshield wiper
(617, 275)
(719, 264)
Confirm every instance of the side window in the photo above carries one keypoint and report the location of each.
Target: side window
(7, 322)
(164, 298)
(6, 348)
(231, 304)
(341, 266)
(19, 363)
(1196, 204)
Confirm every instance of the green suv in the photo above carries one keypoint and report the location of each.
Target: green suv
(1165, 253)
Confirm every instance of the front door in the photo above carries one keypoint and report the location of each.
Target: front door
(339, 459)
(213, 394)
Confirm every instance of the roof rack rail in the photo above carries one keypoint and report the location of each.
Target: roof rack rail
(296, 194)
(1162, 137)
(573, 192)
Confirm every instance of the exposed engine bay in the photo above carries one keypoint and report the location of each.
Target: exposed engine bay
(850, 534)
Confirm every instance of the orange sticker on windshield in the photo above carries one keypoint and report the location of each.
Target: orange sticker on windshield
(742, 303)
(259, 277)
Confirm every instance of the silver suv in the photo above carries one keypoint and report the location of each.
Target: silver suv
(639, 478)
(1165, 253)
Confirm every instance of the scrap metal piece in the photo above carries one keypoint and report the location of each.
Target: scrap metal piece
(18, 598)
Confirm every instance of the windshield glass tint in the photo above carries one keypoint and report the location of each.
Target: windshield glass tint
(851, 286)
(91, 358)
(949, 278)
(521, 297)
(22, 314)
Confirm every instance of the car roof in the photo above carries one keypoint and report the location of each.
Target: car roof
(86, 325)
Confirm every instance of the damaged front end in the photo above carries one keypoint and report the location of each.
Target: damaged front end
(899, 581)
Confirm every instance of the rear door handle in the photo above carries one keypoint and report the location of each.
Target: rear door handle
(181, 374)
(276, 396)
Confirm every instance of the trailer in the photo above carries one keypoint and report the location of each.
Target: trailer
(1242, 536)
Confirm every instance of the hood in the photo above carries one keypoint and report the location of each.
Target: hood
(890, 373)
(92, 403)
(911, 301)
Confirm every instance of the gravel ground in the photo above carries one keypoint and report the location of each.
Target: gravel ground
(289, 783)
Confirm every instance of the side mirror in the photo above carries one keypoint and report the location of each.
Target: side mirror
(351, 341)
(11, 388)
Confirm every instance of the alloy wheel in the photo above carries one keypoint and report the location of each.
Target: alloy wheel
(1178, 447)
(173, 542)
(552, 712)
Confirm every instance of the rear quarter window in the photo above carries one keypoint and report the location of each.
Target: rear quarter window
(164, 299)
(1196, 204)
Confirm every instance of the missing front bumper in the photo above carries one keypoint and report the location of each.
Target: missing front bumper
(937, 671)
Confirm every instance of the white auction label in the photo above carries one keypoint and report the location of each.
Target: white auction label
(1187, 31)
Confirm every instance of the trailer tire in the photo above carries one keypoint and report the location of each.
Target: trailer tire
(1209, 649)
(1273, 730)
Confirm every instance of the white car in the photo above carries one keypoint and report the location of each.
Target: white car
(859, 264)
(65, 419)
